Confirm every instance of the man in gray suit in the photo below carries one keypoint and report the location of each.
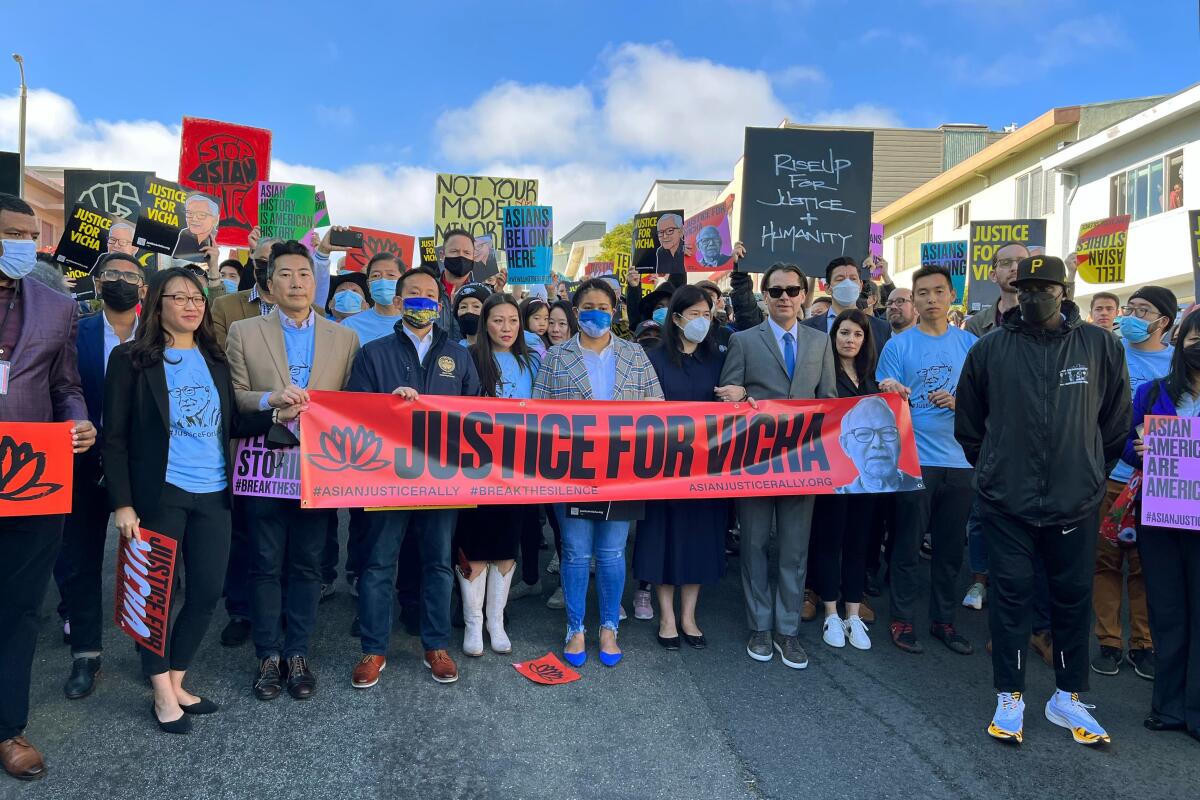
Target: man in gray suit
(779, 359)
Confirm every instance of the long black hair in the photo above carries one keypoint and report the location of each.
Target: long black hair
(864, 362)
(152, 338)
(481, 351)
(682, 299)
(568, 309)
(1179, 380)
(529, 307)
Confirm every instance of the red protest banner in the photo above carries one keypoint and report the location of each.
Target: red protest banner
(708, 245)
(547, 670)
(226, 161)
(381, 450)
(374, 242)
(36, 468)
(145, 575)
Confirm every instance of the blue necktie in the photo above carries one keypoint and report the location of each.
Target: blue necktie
(789, 353)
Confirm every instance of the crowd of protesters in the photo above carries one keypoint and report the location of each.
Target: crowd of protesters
(1027, 419)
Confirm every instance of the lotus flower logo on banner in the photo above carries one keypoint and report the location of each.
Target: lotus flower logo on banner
(35, 468)
(349, 448)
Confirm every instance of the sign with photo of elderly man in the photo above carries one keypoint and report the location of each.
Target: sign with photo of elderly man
(175, 221)
(707, 245)
(658, 242)
(871, 439)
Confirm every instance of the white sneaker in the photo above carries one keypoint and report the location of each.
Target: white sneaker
(856, 630)
(976, 596)
(835, 631)
(623, 616)
(522, 589)
(552, 567)
(557, 601)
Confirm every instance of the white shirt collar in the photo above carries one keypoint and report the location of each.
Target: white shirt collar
(298, 326)
(110, 330)
(779, 332)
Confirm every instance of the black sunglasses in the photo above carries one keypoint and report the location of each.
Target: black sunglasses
(776, 292)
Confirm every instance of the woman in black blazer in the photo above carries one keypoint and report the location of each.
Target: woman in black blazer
(169, 414)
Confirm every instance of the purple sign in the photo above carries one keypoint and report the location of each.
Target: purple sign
(261, 472)
(1171, 472)
(875, 247)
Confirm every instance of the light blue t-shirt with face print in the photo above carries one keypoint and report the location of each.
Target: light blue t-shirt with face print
(196, 459)
(1143, 367)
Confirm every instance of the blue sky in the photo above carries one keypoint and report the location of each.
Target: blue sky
(596, 99)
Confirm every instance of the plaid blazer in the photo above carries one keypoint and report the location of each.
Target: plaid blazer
(564, 374)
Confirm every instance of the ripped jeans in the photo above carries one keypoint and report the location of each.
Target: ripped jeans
(581, 539)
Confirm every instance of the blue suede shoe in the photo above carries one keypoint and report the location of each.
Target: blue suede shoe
(578, 659)
(610, 659)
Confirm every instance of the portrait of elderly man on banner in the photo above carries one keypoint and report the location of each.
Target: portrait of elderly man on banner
(871, 439)
(202, 213)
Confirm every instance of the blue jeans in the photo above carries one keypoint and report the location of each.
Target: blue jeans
(977, 557)
(581, 539)
(382, 540)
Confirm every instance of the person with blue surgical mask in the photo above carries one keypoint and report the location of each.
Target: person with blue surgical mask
(231, 275)
(383, 273)
(348, 296)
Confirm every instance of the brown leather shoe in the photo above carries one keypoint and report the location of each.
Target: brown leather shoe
(1040, 643)
(366, 672)
(865, 613)
(21, 759)
(441, 665)
(809, 612)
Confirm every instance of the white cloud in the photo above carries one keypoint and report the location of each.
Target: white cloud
(863, 115)
(512, 120)
(693, 111)
(885, 37)
(1068, 42)
(798, 75)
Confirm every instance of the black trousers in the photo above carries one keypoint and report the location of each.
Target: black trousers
(1069, 555)
(285, 539)
(237, 574)
(531, 542)
(880, 543)
(28, 547)
(200, 524)
(84, 533)
(1171, 566)
(941, 508)
(837, 552)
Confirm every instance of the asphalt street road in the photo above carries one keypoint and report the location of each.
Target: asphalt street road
(688, 724)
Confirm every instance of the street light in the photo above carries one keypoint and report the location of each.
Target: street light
(21, 125)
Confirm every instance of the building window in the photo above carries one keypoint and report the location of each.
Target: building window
(1148, 189)
(1035, 195)
(962, 214)
(908, 246)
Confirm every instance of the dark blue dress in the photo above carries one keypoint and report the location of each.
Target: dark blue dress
(683, 541)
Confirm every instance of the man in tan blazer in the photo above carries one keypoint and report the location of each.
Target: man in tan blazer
(274, 360)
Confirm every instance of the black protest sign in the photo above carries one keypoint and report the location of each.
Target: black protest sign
(658, 242)
(117, 193)
(10, 173)
(84, 238)
(162, 222)
(1194, 245)
(428, 250)
(986, 238)
(806, 197)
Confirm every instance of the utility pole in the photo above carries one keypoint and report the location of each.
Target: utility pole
(21, 124)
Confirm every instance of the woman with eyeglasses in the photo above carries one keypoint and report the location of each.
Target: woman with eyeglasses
(169, 414)
(843, 523)
(1170, 556)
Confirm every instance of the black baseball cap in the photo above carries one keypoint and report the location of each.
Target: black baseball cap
(1050, 269)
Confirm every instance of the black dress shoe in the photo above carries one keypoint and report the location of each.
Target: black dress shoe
(871, 586)
(669, 642)
(235, 633)
(1155, 723)
(181, 725)
(269, 682)
(200, 707)
(83, 678)
(301, 682)
(697, 642)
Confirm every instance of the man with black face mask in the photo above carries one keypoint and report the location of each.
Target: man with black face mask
(253, 302)
(121, 286)
(458, 264)
(1043, 412)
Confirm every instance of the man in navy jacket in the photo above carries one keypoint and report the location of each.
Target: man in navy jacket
(418, 358)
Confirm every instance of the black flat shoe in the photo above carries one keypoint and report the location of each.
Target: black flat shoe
(698, 642)
(1155, 723)
(235, 633)
(181, 725)
(200, 707)
(669, 642)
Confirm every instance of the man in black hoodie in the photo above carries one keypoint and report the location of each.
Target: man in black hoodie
(1042, 413)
